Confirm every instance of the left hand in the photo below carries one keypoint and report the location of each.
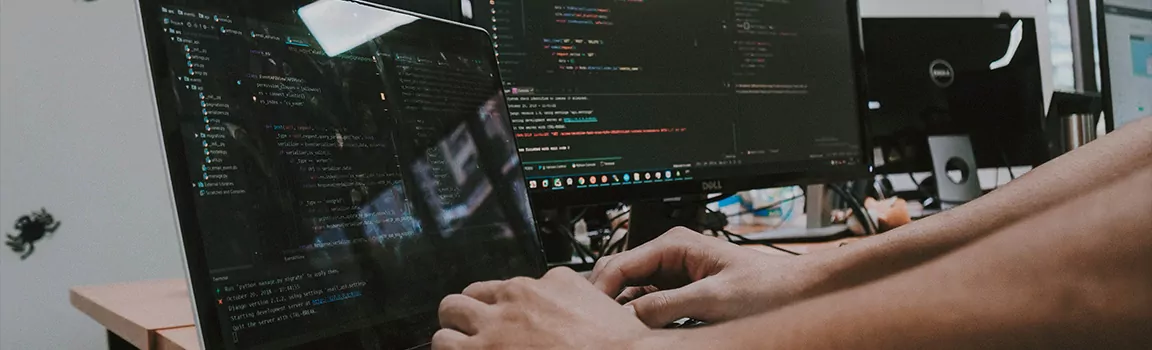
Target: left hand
(561, 310)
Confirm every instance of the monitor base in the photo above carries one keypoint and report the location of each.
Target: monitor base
(800, 235)
(649, 220)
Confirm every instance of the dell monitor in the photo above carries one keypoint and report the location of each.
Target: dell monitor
(954, 76)
(1125, 44)
(336, 168)
(629, 100)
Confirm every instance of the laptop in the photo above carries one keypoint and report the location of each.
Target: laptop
(337, 168)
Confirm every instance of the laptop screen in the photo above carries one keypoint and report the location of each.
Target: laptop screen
(337, 168)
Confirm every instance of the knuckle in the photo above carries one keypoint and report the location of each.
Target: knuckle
(680, 232)
(474, 286)
(715, 292)
(560, 272)
(661, 301)
(517, 286)
(604, 261)
(449, 302)
(512, 316)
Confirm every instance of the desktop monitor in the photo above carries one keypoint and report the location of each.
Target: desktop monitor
(946, 76)
(624, 100)
(336, 168)
(1125, 44)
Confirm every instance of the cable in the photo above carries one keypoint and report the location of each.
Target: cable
(857, 209)
(612, 247)
(731, 235)
(579, 216)
(581, 250)
(1004, 156)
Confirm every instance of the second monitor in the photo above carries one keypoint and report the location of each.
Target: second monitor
(616, 100)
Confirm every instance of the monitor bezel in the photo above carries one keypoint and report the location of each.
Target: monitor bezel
(1105, 71)
(704, 186)
(187, 225)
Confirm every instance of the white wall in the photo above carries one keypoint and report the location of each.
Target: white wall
(77, 136)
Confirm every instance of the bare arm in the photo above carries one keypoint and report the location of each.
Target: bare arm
(1074, 275)
(1100, 163)
(690, 277)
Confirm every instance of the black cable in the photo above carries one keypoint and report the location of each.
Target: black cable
(1004, 156)
(579, 216)
(581, 250)
(730, 235)
(619, 245)
(619, 215)
(613, 246)
(857, 209)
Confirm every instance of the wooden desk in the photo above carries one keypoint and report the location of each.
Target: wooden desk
(184, 338)
(135, 312)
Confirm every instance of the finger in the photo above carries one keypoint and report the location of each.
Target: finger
(664, 255)
(483, 291)
(449, 339)
(596, 269)
(660, 308)
(463, 313)
(632, 293)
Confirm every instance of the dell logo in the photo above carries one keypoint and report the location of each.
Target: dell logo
(712, 186)
(941, 73)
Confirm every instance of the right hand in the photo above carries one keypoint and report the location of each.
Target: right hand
(686, 274)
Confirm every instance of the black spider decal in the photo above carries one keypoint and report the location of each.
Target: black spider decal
(32, 228)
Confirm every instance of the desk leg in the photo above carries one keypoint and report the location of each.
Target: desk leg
(115, 342)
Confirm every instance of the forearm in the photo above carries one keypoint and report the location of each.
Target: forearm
(1060, 180)
(1075, 275)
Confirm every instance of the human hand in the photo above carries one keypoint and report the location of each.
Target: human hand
(559, 311)
(685, 274)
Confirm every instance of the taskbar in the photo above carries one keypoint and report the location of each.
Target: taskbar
(710, 171)
(557, 183)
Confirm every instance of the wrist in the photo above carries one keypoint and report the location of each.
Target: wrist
(817, 275)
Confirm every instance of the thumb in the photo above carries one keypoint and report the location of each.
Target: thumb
(658, 309)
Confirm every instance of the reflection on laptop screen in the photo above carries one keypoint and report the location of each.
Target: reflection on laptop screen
(330, 194)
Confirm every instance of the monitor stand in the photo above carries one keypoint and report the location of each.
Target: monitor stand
(818, 206)
(651, 219)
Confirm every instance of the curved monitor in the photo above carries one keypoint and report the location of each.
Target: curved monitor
(622, 100)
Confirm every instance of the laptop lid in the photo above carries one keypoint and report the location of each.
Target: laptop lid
(337, 168)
